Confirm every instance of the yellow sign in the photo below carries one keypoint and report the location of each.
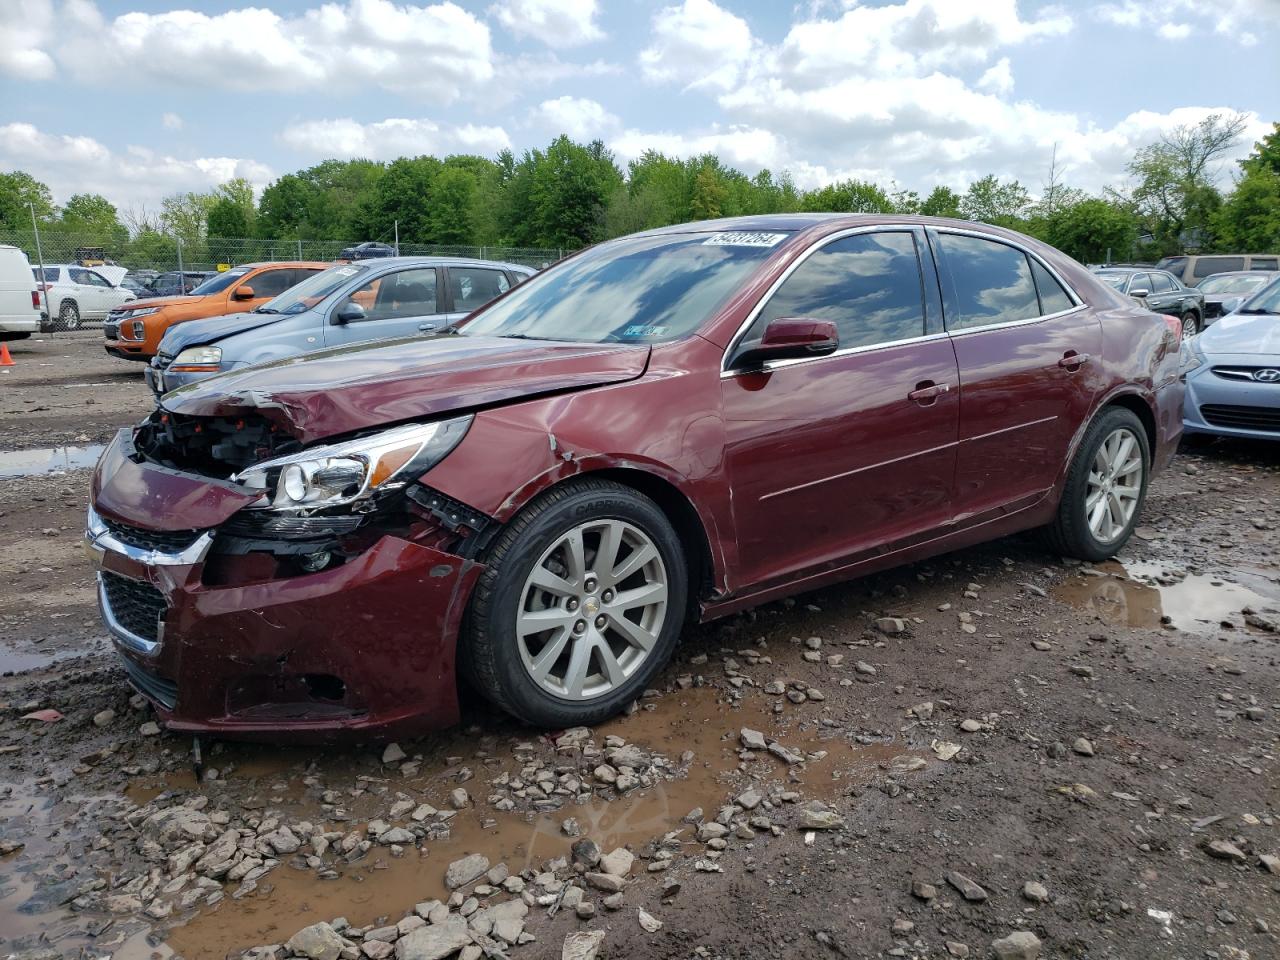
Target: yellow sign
(224, 267)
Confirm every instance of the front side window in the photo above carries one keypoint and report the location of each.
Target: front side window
(645, 289)
(271, 283)
(474, 286)
(992, 282)
(867, 284)
(408, 293)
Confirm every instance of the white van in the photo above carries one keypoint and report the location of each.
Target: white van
(19, 298)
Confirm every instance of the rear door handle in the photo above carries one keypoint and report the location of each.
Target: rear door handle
(1073, 361)
(926, 392)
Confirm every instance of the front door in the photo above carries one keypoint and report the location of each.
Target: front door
(403, 303)
(1030, 359)
(833, 456)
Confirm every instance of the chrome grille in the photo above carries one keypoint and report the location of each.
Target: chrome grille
(169, 541)
(134, 605)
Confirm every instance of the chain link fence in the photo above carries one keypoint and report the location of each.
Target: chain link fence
(161, 253)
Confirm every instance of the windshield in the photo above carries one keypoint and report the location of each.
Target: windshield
(218, 282)
(633, 290)
(311, 291)
(1116, 280)
(1266, 300)
(1233, 284)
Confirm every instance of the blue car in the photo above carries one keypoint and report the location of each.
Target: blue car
(379, 299)
(1232, 372)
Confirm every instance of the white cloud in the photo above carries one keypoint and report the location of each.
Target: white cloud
(697, 43)
(1236, 19)
(1175, 31)
(580, 118)
(439, 50)
(171, 121)
(998, 79)
(557, 23)
(391, 138)
(27, 28)
(135, 175)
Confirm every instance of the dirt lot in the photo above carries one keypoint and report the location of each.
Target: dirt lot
(1080, 757)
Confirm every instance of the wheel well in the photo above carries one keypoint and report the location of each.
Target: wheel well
(1131, 402)
(683, 517)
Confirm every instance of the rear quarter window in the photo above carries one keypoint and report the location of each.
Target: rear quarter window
(1207, 266)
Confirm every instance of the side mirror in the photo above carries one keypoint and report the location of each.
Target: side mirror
(789, 338)
(1232, 305)
(243, 292)
(349, 312)
(1139, 293)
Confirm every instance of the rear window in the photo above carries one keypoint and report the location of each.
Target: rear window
(1173, 264)
(51, 274)
(1264, 263)
(1207, 266)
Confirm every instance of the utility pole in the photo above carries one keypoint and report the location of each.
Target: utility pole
(397, 223)
(182, 277)
(39, 253)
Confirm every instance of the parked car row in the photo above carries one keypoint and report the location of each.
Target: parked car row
(540, 491)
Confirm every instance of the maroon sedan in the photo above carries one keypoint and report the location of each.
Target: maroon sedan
(670, 426)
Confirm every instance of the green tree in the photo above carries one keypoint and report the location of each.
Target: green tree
(994, 201)
(284, 207)
(848, 196)
(186, 215)
(94, 217)
(17, 189)
(1091, 230)
(227, 218)
(941, 202)
(452, 205)
(402, 194)
(557, 198)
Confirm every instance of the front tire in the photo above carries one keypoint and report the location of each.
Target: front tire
(580, 606)
(1190, 325)
(69, 315)
(1106, 486)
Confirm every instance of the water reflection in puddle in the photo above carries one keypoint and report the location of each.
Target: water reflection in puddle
(1132, 594)
(31, 463)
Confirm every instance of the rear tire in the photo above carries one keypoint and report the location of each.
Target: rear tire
(68, 316)
(1105, 489)
(597, 652)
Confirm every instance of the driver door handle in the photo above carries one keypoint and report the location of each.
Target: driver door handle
(926, 392)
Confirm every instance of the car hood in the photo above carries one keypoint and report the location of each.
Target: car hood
(1242, 333)
(345, 389)
(212, 329)
(163, 302)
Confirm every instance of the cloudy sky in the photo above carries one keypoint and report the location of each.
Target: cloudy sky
(139, 98)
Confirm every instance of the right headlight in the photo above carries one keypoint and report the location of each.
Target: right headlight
(197, 360)
(344, 473)
(1190, 358)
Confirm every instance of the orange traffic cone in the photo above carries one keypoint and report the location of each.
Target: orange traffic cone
(5, 359)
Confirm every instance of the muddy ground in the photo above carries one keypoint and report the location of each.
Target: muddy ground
(1085, 755)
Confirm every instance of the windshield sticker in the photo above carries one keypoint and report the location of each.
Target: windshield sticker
(644, 330)
(744, 239)
(348, 271)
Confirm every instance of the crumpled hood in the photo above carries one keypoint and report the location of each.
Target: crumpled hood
(194, 333)
(1242, 333)
(341, 390)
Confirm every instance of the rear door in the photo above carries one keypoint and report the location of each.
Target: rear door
(403, 303)
(1029, 355)
(832, 457)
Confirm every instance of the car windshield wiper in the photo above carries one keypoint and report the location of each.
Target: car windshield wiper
(1260, 310)
(266, 310)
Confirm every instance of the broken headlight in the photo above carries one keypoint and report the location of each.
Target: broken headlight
(356, 470)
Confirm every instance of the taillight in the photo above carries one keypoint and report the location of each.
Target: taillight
(1174, 325)
(35, 299)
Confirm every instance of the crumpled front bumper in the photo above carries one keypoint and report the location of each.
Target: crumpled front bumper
(364, 648)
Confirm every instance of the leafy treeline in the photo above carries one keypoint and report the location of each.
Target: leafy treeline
(572, 194)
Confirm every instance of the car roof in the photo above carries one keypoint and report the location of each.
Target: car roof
(1246, 273)
(380, 262)
(324, 264)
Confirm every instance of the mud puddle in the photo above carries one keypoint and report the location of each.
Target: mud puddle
(1147, 595)
(31, 463)
(382, 886)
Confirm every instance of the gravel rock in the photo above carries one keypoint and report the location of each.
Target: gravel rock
(891, 625)
(434, 942)
(582, 945)
(1083, 747)
(617, 863)
(1022, 945)
(753, 739)
(393, 754)
(648, 922)
(1224, 850)
(318, 941)
(816, 815)
(469, 868)
(970, 890)
(1035, 892)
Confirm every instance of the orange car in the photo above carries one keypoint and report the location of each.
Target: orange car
(134, 329)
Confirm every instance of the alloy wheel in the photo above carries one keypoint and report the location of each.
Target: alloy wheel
(592, 609)
(1189, 326)
(69, 315)
(1114, 485)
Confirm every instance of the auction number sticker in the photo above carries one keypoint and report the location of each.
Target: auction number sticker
(743, 239)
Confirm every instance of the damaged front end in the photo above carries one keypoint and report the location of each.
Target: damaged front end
(256, 587)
